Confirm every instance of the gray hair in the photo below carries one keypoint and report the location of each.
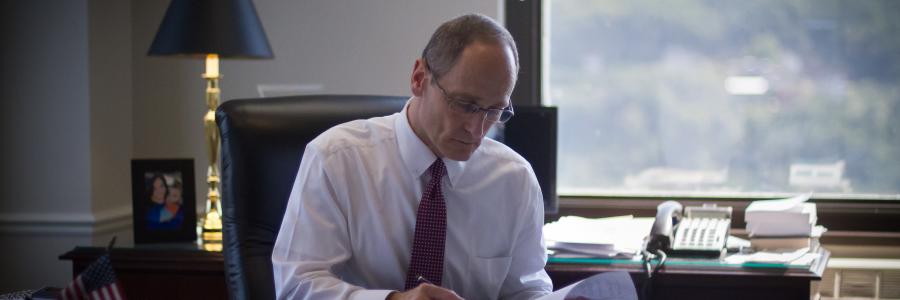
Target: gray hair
(451, 38)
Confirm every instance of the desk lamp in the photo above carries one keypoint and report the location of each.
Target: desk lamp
(211, 29)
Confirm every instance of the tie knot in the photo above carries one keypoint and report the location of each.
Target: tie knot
(437, 169)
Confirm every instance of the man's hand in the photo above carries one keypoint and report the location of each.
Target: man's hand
(425, 291)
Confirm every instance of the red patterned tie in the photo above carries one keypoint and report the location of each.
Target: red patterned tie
(431, 231)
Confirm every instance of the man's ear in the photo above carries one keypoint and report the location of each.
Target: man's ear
(417, 82)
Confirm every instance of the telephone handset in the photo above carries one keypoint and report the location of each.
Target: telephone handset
(701, 230)
(668, 215)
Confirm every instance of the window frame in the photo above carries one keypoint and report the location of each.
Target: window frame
(867, 221)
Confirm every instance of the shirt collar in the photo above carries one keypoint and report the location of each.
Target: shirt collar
(416, 155)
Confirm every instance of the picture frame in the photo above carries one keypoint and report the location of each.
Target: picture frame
(163, 204)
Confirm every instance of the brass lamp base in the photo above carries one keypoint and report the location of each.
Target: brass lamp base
(211, 232)
(212, 227)
(211, 223)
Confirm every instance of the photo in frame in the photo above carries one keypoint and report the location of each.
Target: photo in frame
(164, 208)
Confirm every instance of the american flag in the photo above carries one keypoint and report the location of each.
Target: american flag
(98, 281)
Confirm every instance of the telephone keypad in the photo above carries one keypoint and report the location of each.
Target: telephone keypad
(701, 234)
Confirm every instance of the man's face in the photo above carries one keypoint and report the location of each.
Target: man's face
(484, 75)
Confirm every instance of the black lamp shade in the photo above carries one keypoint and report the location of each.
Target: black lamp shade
(228, 28)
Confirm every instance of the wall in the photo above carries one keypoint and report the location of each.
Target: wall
(44, 108)
(110, 118)
(66, 127)
(44, 182)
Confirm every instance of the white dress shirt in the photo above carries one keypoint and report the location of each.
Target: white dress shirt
(348, 228)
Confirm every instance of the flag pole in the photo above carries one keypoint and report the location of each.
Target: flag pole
(111, 243)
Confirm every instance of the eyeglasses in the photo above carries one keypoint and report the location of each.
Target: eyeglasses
(492, 115)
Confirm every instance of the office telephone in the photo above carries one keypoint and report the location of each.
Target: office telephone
(699, 231)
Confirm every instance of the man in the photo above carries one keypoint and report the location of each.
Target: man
(419, 205)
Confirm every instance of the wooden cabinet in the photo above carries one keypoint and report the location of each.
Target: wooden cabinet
(177, 271)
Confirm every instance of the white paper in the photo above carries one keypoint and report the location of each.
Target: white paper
(818, 231)
(781, 218)
(614, 285)
(603, 237)
(560, 294)
(798, 257)
(793, 204)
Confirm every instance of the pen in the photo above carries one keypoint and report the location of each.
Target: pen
(422, 279)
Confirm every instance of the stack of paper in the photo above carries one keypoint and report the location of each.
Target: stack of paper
(573, 236)
(796, 257)
(784, 217)
(788, 242)
(783, 224)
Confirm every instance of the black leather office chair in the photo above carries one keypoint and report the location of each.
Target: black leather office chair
(262, 143)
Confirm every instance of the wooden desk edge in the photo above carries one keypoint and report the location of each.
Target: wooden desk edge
(813, 272)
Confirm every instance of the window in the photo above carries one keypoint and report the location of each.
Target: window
(722, 98)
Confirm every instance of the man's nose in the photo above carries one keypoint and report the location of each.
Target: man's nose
(474, 124)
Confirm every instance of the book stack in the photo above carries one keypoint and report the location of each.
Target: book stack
(577, 237)
(783, 225)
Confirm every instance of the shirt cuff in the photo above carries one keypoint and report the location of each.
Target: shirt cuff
(370, 294)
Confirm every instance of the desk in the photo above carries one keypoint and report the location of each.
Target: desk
(184, 271)
(693, 279)
(164, 271)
